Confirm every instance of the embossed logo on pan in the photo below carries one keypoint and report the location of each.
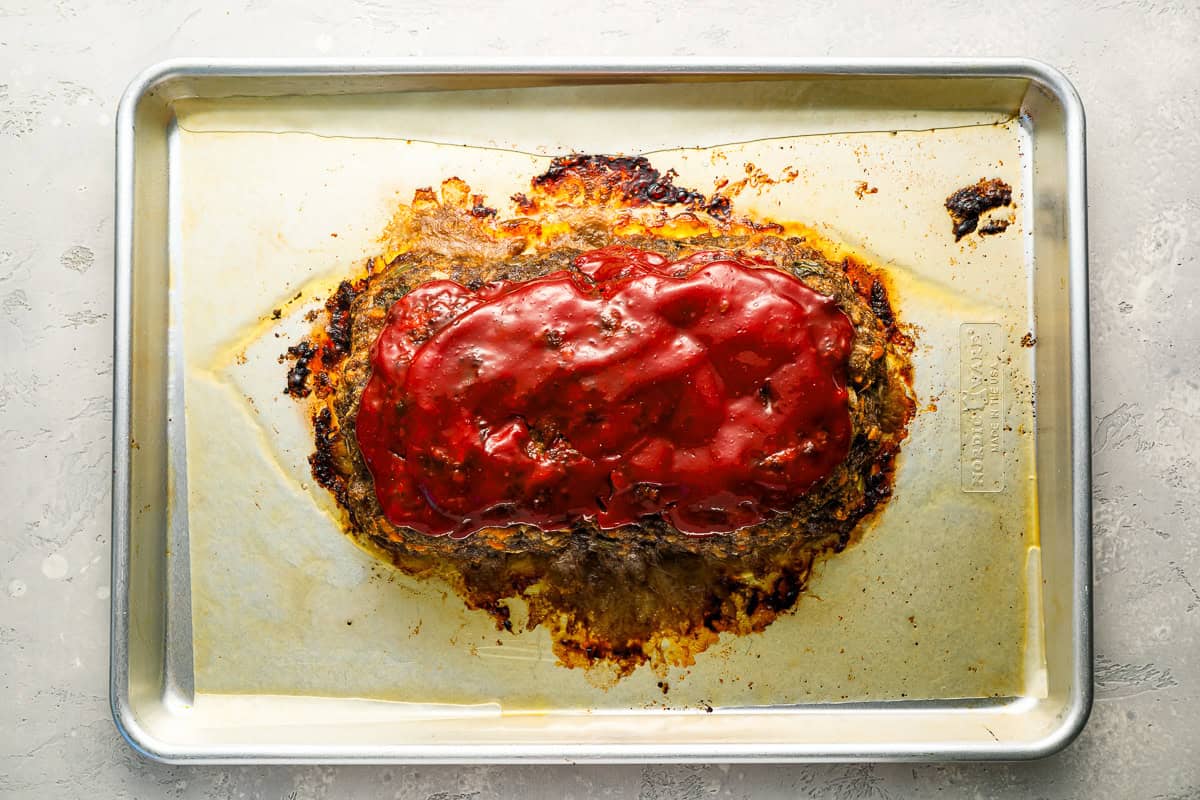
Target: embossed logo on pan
(981, 420)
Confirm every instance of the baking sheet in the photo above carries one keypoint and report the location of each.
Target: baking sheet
(934, 602)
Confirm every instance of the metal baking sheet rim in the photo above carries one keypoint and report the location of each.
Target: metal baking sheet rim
(1071, 720)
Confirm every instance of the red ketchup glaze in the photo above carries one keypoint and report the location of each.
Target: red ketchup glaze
(711, 391)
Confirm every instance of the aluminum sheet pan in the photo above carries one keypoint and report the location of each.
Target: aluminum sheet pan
(958, 627)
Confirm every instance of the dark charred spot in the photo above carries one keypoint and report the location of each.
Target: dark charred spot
(993, 226)
(719, 206)
(302, 350)
(878, 484)
(631, 178)
(753, 598)
(554, 338)
(1028, 340)
(276, 313)
(322, 461)
(970, 202)
(297, 376)
(714, 617)
(784, 593)
(881, 307)
(297, 380)
(338, 330)
(501, 614)
(480, 211)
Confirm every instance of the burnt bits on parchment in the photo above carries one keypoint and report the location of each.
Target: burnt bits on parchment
(633, 178)
(297, 376)
(970, 202)
(316, 357)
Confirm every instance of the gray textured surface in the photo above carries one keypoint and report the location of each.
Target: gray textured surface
(62, 67)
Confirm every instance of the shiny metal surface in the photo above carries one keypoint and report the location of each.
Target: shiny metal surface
(150, 669)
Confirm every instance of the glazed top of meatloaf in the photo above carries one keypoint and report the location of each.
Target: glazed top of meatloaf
(877, 406)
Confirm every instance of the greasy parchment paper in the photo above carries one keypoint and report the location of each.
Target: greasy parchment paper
(283, 197)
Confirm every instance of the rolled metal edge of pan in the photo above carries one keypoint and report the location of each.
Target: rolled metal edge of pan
(1078, 708)
(1079, 705)
(118, 690)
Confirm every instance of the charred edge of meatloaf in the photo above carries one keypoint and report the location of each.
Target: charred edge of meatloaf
(633, 178)
(316, 361)
(338, 327)
(301, 356)
(324, 460)
(643, 592)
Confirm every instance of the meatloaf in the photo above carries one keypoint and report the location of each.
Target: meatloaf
(617, 595)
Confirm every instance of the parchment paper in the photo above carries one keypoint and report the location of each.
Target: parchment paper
(286, 196)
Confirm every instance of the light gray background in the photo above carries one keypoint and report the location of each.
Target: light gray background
(63, 64)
